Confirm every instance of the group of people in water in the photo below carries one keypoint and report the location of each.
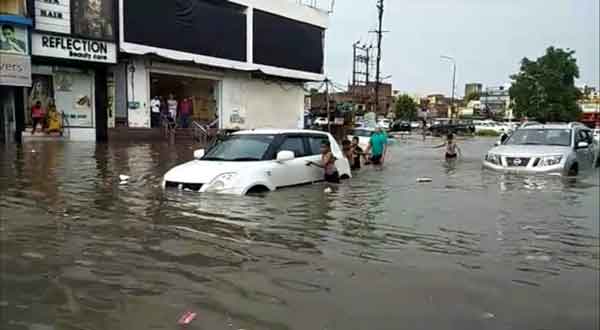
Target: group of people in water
(375, 153)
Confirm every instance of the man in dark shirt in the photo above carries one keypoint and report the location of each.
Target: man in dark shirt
(357, 152)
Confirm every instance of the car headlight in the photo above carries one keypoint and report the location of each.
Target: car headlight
(550, 161)
(493, 158)
(222, 181)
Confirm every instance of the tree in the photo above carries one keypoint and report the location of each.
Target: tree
(545, 89)
(474, 96)
(406, 108)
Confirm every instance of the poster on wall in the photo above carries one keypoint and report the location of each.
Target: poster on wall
(53, 16)
(15, 70)
(13, 40)
(73, 96)
(41, 91)
(93, 19)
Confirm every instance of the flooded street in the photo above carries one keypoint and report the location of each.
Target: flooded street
(470, 250)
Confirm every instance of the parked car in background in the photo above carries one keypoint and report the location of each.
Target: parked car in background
(256, 161)
(401, 126)
(596, 133)
(565, 149)
(321, 121)
(363, 135)
(415, 124)
(490, 125)
(384, 123)
(459, 128)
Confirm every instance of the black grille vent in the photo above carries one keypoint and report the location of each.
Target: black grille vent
(183, 185)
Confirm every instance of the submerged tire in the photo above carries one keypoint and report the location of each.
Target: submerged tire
(574, 170)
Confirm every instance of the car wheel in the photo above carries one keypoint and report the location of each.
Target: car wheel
(574, 170)
(257, 190)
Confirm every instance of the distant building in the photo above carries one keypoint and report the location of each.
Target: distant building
(360, 97)
(495, 101)
(473, 88)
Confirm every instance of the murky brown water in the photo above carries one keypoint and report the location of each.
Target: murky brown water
(472, 250)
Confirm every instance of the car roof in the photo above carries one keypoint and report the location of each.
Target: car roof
(555, 126)
(272, 131)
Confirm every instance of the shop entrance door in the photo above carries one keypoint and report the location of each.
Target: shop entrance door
(200, 93)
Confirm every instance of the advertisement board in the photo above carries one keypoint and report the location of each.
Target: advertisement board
(73, 48)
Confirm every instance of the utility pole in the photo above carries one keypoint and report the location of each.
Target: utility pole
(378, 65)
(327, 101)
(451, 59)
(360, 71)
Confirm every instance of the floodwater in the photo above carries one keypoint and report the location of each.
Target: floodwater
(470, 250)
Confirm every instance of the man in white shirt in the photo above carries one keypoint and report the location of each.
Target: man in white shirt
(155, 112)
(172, 106)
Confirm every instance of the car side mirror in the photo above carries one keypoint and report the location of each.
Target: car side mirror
(582, 145)
(198, 154)
(285, 155)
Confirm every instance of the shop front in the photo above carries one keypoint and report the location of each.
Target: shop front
(15, 75)
(158, 91)
(72, 50)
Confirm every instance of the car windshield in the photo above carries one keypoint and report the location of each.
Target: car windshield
(240, 148)
(362, 132)
(549, 137)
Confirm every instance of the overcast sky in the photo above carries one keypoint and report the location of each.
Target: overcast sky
(488, 38)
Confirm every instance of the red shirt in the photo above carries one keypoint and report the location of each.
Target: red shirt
(37, 112)
(185, 107)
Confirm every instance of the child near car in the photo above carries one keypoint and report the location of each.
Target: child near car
(327, 163)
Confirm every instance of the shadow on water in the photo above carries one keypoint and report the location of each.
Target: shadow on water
(82, 251)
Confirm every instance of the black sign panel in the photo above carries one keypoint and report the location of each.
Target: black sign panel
(93, 19)
(211, 28)
(282, 42)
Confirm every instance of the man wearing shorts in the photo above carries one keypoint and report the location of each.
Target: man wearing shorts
(377, 147)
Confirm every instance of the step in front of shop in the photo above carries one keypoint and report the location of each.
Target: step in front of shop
(147, 134)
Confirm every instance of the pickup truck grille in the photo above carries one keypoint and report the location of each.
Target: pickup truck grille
(183, 185)
(517, 161)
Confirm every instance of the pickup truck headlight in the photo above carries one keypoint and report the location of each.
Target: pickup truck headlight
(550, 161)
(493, 158)
(222, 181)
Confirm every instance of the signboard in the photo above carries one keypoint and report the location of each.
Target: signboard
(93, 19)
(13, 40)
(53, 16)
(15, 70)
(73, 48)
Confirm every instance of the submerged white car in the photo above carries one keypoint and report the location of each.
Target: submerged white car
(257, 161)
(564, 149)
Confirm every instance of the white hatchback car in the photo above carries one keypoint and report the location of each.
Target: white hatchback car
(257, 161)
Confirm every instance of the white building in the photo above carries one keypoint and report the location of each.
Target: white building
(244, 62)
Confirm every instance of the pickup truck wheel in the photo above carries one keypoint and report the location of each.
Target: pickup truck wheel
(574, 170)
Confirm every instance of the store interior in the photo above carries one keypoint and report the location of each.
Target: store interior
(201, 91)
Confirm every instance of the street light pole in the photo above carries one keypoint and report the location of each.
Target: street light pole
(452, 105)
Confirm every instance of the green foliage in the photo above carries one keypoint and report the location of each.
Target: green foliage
(487, 132)
(545, 90)
(473, 96)
(406, 108)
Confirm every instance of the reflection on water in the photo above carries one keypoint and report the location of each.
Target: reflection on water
(81, 251)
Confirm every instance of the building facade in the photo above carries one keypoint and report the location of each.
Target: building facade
(241, 64)
(73, 45)
(15, 67)
(473, 88)
(495, 102)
